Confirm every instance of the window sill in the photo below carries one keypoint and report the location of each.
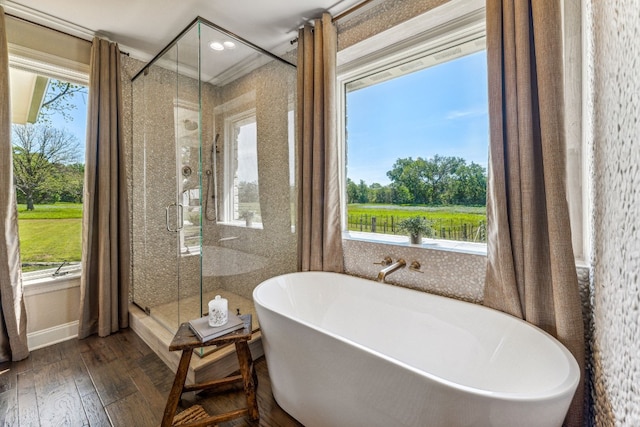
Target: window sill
(431, 244)
(40, 283)
(242, 224)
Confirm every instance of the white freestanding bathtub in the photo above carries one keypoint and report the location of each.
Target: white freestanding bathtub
(344, 351)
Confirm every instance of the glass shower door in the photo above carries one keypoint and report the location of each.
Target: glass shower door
(188, 136)
(167, 188)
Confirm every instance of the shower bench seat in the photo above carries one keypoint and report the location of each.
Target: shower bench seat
(186, 341)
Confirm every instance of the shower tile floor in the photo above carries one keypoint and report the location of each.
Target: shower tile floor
(171, 315)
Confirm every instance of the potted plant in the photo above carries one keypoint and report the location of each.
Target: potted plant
(248, 217)
(416, 226)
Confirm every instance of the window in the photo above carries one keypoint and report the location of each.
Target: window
(416, 137)
(291, 141)
(241, 196)
(49, 114)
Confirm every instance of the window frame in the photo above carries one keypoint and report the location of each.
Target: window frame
(230, 159)
(446, 26)
(440, 21)
(39, 63)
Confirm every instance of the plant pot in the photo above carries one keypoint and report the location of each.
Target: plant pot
(416, 239)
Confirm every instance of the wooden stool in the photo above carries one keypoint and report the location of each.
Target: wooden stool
(186, 341)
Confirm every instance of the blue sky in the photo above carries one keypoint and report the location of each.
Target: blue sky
(439, 110)
(78, 125)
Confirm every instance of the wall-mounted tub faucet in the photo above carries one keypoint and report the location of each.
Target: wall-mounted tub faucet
(400, 263)
(386, 261)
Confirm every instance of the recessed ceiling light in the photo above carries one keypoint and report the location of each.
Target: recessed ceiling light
(216, 46)
(229, 45)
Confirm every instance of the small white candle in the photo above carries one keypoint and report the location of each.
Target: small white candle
(218, 311)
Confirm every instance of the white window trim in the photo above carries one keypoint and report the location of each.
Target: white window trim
(453, 22)
(228, 218)
(43, 281)
(442, 22)
(39, 64)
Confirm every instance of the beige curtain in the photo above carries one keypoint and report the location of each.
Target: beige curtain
(13, 321)
(319, 231)
(531, 269)
(104, 289)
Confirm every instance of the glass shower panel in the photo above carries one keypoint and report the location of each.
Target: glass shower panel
(213, 165)
(188, 131)
(248, 97)
(156, 215)
(167, 170)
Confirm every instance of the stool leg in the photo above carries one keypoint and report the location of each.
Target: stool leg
(176, 390)
(247, 371)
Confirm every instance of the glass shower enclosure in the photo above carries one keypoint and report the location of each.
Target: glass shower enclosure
(213, 174)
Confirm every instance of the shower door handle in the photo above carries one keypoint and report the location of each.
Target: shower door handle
(179, 213)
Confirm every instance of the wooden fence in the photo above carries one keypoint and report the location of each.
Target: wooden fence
(442, 229)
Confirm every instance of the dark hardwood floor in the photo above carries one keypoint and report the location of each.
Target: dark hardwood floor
(115, 381)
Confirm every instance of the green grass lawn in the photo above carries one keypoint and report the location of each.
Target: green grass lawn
(448, 222)
(463, 213)
(50, 233)
(56, 211)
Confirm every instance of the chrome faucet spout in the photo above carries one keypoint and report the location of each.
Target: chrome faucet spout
(400, 263)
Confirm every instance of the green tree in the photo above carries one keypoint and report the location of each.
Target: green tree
(469, 186)
(72, 186)
(352, 191)
(58, 99)
(380, 193)
(406, 174)
(248, 192)
(39, 152)
(400, 195)
(363, 192)
(427, 181)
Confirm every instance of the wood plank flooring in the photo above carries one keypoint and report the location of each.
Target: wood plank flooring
(112, 381)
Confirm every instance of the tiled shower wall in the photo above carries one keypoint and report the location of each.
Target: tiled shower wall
(613, 126)
(267, 90)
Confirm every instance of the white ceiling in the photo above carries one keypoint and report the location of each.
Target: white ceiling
(144, 27)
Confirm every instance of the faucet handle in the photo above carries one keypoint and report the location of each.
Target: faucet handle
(415, 266)
(386, 261)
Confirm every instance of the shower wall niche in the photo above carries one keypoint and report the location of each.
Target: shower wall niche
(213, 174)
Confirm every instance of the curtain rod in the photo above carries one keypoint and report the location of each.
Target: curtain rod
(53, 29)
(342, 15)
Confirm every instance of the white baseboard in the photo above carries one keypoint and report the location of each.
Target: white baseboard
(53, 335)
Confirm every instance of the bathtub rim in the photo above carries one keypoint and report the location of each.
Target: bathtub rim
(564, 387)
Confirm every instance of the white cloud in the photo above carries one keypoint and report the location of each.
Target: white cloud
(458, 114)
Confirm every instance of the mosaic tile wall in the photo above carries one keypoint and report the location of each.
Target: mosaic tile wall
(442, 272)
(380, 17)
(273, 247)
(614, 110)
(129, 67)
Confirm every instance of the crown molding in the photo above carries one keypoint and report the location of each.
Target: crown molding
(47, 20)
(64, 26)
